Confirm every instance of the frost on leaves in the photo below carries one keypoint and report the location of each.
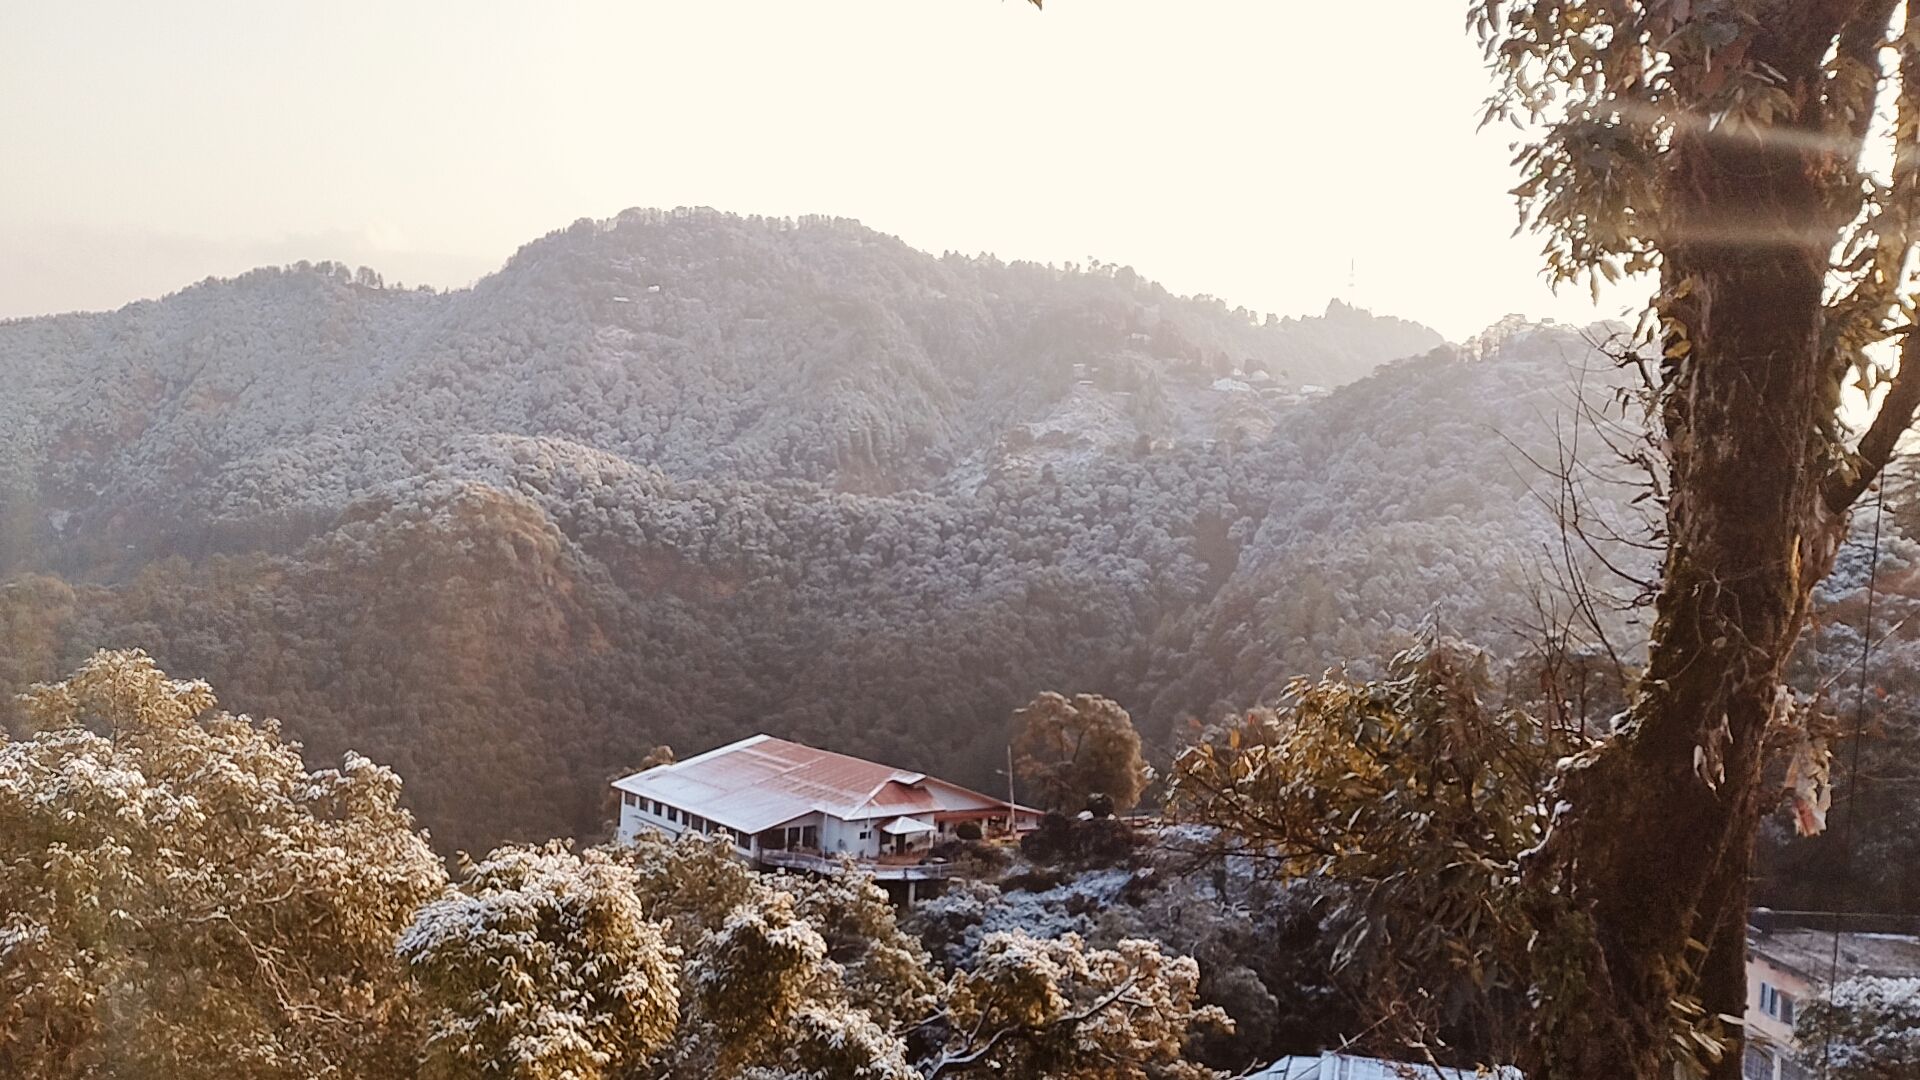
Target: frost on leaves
(184, 899)
(1055, 1008)
(542, 966)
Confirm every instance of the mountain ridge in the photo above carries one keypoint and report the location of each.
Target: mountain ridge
(818, 484)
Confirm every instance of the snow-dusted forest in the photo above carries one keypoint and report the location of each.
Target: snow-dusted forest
(675, 478)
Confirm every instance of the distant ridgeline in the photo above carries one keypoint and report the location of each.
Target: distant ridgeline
(680, 477)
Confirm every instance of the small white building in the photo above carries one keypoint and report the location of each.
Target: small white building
(788, 805)
(1794, 957)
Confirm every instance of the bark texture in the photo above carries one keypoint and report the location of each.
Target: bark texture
(1650, 860)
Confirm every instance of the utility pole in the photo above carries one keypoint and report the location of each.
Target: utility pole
(1011, 830)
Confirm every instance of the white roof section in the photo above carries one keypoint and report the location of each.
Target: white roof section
(760, 782)
(1332, 1066)
(905, 826)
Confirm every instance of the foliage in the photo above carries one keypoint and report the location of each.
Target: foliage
(883, 971)
(1422, 803)
(183, 898)
(689, 884)
(542, 966)
(1053, 1008)
(1069, 841)
(756, 970)
(1865, 1029)
(812, 977)
(1615, 92)
(767, 993)
(1069, 750)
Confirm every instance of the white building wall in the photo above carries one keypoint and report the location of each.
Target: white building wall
(839, 837)
(920, 840)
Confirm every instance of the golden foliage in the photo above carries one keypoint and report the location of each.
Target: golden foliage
(1079, 1013)
(184, 899)
(1071, 749)
(1609, 94)
(1408, 791)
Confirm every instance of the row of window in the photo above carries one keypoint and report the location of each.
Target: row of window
(677, 816)
(797, 837)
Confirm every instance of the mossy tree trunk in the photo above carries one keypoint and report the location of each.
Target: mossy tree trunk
(1651, 856)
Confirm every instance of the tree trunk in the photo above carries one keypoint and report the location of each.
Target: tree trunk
(1651, 857)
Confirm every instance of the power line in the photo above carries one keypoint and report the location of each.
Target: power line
(1853, 761)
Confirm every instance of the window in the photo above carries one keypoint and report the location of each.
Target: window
(673, 815)
(866, 834)
(658, 810)
(1776, 1003)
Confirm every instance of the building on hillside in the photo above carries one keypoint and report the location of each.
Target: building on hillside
(787, 805)
(1795, 956)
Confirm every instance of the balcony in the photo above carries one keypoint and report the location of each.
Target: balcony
(909, 867)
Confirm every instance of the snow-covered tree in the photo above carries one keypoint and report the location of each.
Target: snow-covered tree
(1032, 1008)
(1865, 1029)
(182, 898)
(767, 996)
(690, 884)
(883, 970)
(542, 966)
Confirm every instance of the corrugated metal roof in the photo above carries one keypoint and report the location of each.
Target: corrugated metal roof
(1332, 1066)
(760, 782)
(1810, 953)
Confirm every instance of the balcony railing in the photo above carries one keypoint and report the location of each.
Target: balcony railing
(885, 868)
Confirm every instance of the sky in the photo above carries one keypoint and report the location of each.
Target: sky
(1273, 153)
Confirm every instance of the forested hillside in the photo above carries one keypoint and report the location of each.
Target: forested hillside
(675, 478)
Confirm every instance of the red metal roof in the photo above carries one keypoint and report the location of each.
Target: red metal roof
(760, 782)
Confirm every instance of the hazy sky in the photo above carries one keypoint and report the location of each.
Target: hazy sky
(1251, 149)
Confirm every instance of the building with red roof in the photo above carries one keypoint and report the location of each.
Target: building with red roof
(788, 805)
